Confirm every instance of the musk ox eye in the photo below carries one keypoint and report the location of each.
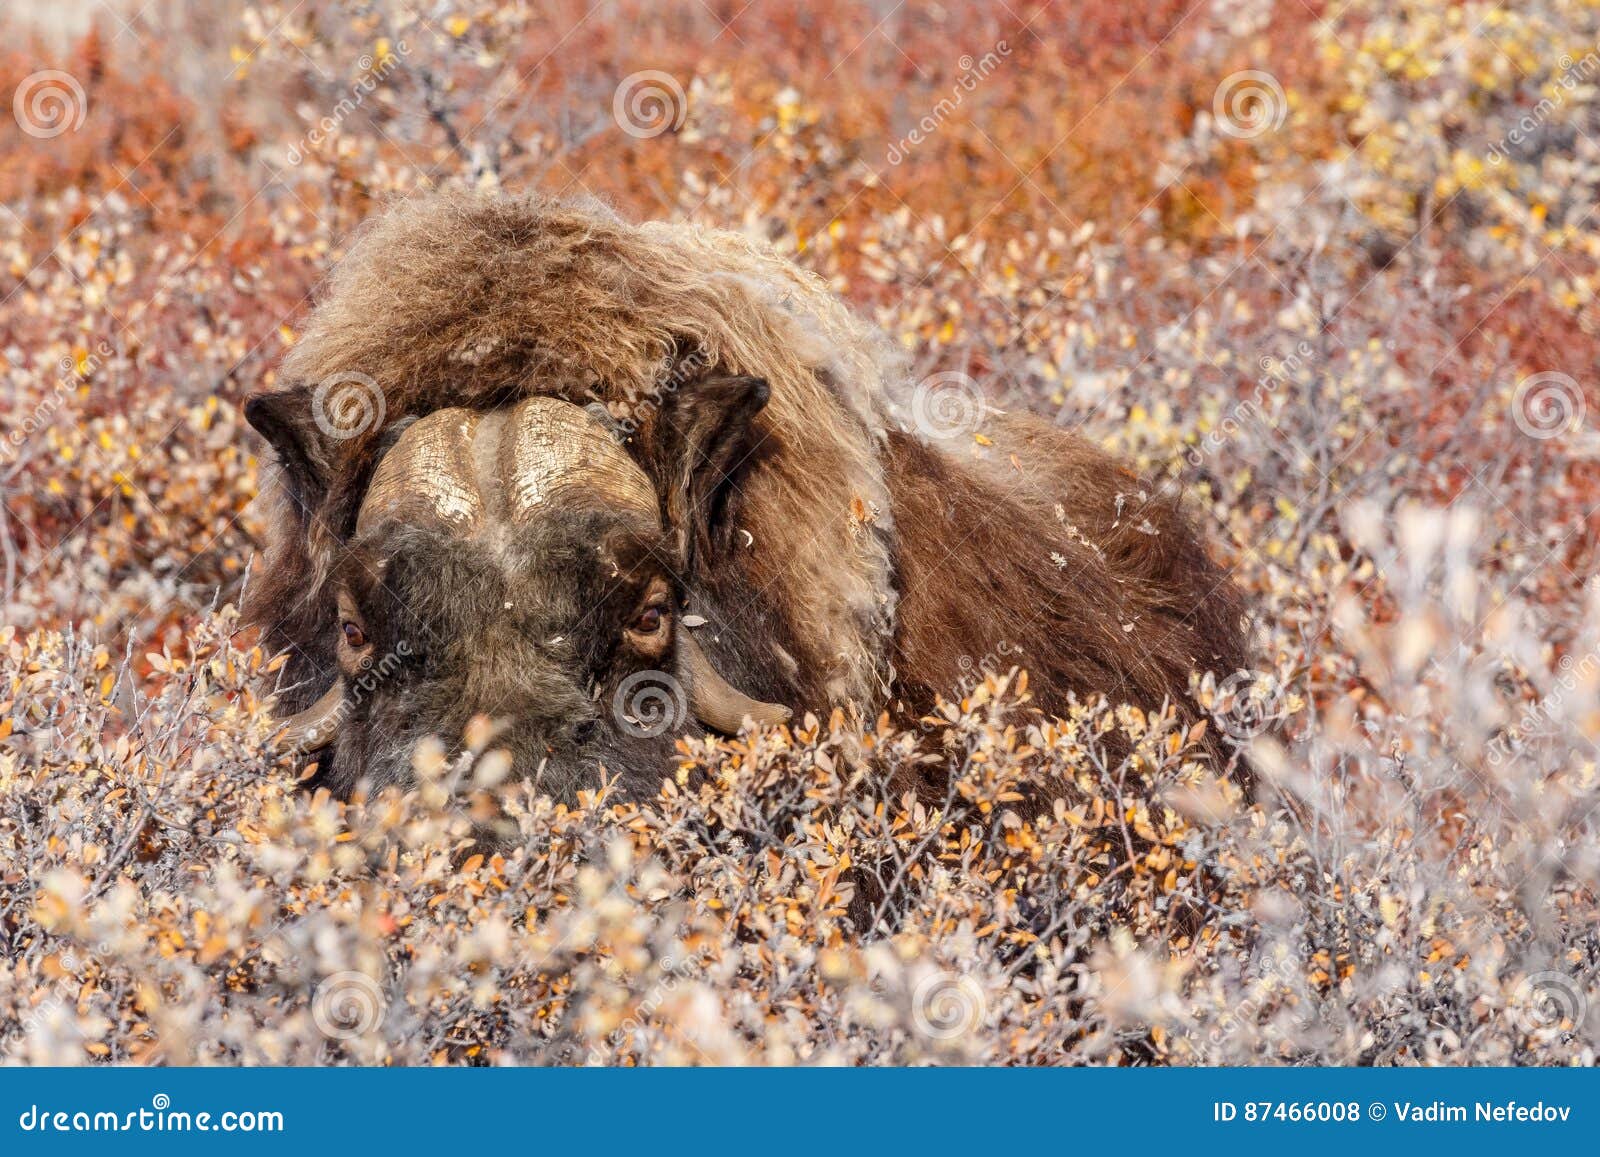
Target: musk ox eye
(647, 621)
(354, 636)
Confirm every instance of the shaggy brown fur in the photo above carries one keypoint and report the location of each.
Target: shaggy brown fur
(1049, 554)
(839, 559)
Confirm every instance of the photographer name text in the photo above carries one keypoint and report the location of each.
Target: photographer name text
(1402, 1112)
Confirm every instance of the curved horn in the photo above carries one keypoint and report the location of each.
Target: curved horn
(717, 704)
(314, 727)
(429, 472)
(554, 445)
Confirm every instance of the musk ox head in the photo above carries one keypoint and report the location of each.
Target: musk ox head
(478, 302)
(515, 564)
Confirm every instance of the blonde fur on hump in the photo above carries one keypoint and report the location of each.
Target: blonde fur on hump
(461, 299)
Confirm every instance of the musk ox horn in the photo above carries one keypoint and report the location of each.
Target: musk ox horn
(714, 701)
(453, 464)
(314, 727)
(429, 471)
(555, 445)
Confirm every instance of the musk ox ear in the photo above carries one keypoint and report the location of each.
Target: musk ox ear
(705, 437)
(285, 418)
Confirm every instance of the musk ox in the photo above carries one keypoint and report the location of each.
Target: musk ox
(611, 482)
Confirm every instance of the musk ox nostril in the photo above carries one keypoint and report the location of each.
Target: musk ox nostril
(585, 731)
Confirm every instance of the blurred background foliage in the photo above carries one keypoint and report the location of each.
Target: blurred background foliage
(1330, 267)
